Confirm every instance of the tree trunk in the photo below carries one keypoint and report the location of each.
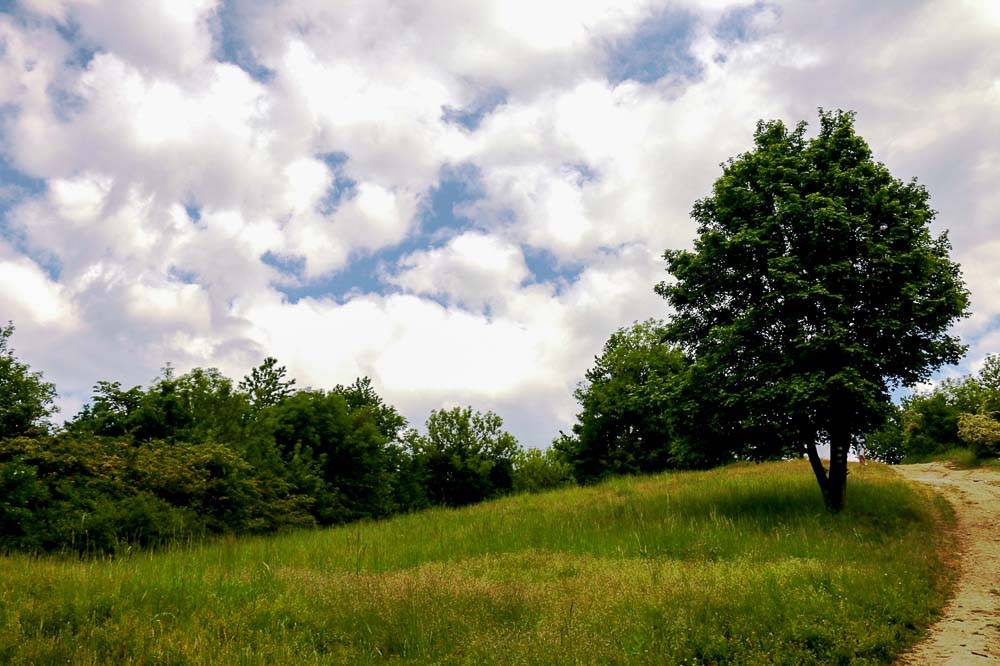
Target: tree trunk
(819, 471)
(840, 443)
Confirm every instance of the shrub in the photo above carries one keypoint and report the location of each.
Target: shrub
(981, 433)
(536, 470)
(100, 494)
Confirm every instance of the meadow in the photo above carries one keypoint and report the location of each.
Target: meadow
(741, 564)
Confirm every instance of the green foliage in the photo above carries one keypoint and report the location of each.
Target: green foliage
(536, 470)
(193, 455)
(102, 494)
(362, 395)
(814, 286)
(981, 433)
(266, 384)
(888, 443)
(201, 405)
(26, 400)
(465, 456)
(318, 430)
(932, 422)
(627, 418)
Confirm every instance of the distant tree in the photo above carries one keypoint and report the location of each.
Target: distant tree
(956, 413)
(26, 400)
(198, 406)
(536, 470)
(465, 456)
(814, 287)
(888, 443)
(266, 384)
(216, 409)
(626, 420)
(109, 412)
(362, 395)
(316, 430)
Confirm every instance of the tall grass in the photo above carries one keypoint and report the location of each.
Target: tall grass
(958, 458)
(738, 565)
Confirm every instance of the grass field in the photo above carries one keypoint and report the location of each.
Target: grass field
(957, 458)
(738, 565)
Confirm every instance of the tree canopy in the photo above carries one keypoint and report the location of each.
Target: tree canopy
(814, 287)
(26, 400)
(627, 399)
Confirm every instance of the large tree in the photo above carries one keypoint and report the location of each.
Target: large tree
(815, 286)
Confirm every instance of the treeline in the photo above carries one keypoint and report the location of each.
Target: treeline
(195, 454)
(961, 413)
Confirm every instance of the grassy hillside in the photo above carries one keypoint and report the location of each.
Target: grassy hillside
(736, 565)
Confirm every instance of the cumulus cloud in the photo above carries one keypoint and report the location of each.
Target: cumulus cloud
(472, 269)
(206, 177)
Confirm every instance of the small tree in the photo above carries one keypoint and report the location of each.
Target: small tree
(266, 384)
(536, 470)
(465, 457)
(814, 287)
(362, 395)
(625, 424)
(26, 400)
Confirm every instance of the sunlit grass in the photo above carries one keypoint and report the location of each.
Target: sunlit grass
(738, 565)
(959, 458)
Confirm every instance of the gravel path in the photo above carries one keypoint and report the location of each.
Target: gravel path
(969, 631)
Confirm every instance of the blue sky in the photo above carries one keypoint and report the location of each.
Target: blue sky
(460, 200)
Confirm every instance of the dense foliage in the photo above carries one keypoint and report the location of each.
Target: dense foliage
(814, 288)
(26, 400)
(629, 403)
(195, 454)
(961, 413)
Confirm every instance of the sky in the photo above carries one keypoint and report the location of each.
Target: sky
(461, 200)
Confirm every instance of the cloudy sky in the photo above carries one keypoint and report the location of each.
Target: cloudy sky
(460, 199)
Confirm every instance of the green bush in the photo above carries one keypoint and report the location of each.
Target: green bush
(101, 494)
(981, 432)
(957, 414)
(888, 444)
(536, 470)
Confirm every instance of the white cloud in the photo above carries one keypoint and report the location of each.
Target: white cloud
(472, 269)
(599, 176)
(162, 35)
(27, 293)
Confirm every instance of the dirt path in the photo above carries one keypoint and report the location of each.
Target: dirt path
(969, 632)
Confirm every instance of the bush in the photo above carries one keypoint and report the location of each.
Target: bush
(888, 444)
(317, 432)
(536, 470)
(100, 494)
(957, 414)
(981, 433)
